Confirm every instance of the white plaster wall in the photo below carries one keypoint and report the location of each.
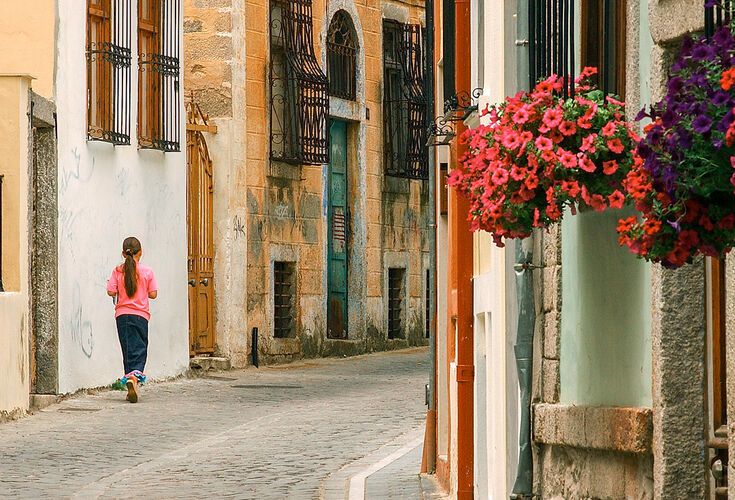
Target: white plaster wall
(496, 385)
(105, 194)
(14, 325)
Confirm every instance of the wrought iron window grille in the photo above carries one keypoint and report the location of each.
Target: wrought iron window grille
(299, 99)
(342, 57)
(406, 127)
(283, 299)
(109, 58)
(718, 14)
(551, 41)
(159, 99)
(395, 302)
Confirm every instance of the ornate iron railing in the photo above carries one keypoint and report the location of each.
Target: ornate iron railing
(299, 89)
(108, 71)
(406, 126)
(159, 99)
(342, 57)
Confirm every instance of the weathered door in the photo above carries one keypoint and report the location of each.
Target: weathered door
(338, 219)
(200, 234)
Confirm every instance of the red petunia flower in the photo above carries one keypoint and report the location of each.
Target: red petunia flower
(616, 146)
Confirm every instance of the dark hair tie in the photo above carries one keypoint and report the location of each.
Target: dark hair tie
(129, 252)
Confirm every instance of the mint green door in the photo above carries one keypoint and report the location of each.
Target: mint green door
(338, 230)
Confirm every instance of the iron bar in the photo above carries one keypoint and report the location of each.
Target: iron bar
(551, 41)
(299, 88)
(159, 99)
(108, 71)
(342, 57)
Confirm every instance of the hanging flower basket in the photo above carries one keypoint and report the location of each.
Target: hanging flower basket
(683, 183)
(542, 152)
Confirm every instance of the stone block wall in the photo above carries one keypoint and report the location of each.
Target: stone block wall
(579, 451)
(268, 211)
(576, 455)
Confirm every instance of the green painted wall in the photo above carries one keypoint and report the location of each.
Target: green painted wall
(606, 315)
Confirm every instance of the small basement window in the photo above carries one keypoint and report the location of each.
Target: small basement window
(395, 302)
(284, 294)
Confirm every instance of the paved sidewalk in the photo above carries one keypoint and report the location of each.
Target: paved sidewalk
(277, 432)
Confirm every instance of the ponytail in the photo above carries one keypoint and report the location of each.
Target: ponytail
(131, 248)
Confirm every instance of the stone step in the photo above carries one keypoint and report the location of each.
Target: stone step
(209, 363)
(41, 401)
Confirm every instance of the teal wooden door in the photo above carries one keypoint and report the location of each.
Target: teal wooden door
(338, 217)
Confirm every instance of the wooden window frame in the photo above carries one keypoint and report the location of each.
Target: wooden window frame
(716, 388)
(109, 56)
(594, 33)
(159, 72)
(150, 27)
(99, 79)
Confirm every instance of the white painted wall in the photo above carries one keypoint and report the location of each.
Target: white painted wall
(496, 384)
(105, 194)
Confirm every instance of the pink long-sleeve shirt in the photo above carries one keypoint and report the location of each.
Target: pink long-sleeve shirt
(138, 304)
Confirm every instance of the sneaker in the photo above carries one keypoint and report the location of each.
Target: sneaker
(132, 385)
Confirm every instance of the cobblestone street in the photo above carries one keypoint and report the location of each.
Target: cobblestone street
(332, 428)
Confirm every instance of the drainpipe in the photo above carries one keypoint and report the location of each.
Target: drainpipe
(523, 349)
(429, 463)
(461, 273)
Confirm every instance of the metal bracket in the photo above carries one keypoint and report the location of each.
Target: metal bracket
(440, 133)
(520, 267)
(461, 105)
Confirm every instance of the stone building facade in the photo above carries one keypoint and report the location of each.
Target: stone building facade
(661, 440)
(274, 221)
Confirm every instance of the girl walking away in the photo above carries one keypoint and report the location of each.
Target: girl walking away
(130, 286)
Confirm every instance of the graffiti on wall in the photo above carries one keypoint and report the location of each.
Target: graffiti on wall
(79, 326)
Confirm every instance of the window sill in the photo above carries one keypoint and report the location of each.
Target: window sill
(626, 430)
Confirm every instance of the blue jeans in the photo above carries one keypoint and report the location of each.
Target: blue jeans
(132, 330)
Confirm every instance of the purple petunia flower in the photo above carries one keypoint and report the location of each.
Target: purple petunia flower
(723, 38)
(703, 53)
(642, 114)
(675, 84)
(702, 124)
(686, 48)
(668, 118)
(721, 98)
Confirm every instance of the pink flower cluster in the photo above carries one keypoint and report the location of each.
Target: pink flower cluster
(542, 151)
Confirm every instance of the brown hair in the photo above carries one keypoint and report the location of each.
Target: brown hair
(131, 248)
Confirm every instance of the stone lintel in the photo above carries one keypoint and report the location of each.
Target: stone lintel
(44, 112)
(626, 430)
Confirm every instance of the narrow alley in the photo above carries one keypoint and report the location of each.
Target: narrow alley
(331, 428)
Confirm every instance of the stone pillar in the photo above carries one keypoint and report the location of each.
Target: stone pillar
(679, 410)
(44, 249)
